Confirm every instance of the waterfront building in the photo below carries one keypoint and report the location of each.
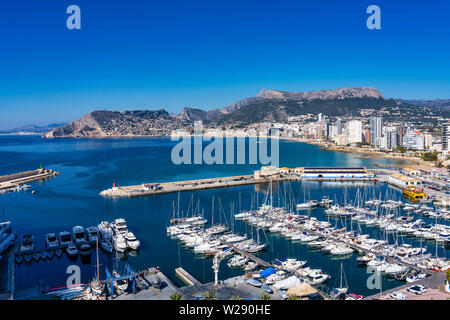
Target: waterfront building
(390, 134)
(339, 126)
(376, 128)
(413, 139)
(336, 173)
(341, 139)
(428, 140)
(445, 136)
(403, 181)
(366, 136)
(320, 117)
(354, 131)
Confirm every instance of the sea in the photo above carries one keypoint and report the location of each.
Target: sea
(88, 166)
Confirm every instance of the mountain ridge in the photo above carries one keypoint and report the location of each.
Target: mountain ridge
(269, 105)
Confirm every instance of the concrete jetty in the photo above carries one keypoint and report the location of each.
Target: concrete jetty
(259, 177)
(13, 180)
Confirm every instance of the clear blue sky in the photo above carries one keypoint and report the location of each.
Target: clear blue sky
(152, 54)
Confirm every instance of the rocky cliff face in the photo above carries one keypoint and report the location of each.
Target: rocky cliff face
(113, 123)
(268, 105)
(343, 93)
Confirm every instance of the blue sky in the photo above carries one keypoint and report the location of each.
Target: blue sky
(171, 54)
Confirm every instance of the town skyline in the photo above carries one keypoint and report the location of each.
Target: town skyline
(153, 57)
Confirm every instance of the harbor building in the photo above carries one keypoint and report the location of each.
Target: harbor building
(411, 172)
(336, 173)
(413, 139)
(403, 181)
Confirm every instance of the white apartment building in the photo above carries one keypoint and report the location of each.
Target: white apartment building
(354, 131)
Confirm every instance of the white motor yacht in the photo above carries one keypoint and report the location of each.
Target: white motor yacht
(132, 242)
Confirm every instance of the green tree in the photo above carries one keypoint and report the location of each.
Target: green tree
(292, 297)
(265, 296)
(209, 295)
(448, 275)
(235, 298)
(176, 296)
(430, 156)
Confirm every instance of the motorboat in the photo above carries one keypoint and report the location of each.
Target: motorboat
(282, 294)
(72, 251)
(254, 282)
(27, 244)
(105, 231)
(317, 278)
(131, 240)
(51, 241)
(341, 250)
(92, 234)
(250, 266)
(274, 277)
(7, 237)
(119, 226)
(107, 245)
(119, 242)
(85, 250)
(65, 239)
(292, 264)
(267, 289)
(78, 235)
(366, 258)
(237, 261)
(307, 205)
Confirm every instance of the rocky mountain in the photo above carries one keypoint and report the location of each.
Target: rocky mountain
(113, 123)
(343, 93)
(191, 114)
(267, 106)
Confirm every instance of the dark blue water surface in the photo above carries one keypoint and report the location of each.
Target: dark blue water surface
(89, 166)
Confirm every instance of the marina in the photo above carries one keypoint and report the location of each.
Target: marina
(215, 211)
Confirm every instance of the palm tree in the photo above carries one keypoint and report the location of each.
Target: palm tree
(265, 296)
(235, 298)
(176, 296)
(209, 295)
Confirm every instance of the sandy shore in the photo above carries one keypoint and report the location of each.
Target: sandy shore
(412, 161)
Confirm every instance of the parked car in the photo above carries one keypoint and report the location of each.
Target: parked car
(417, 289)
(398, 296)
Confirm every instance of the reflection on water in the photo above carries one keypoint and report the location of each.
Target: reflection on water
(90, 166)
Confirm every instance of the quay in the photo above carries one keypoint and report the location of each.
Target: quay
(186, 277)
(265, 175)
(14, 180)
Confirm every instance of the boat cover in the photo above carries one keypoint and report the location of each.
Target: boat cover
(287, 283)
(267, 272)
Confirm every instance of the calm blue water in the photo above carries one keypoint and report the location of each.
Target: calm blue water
(89, 166)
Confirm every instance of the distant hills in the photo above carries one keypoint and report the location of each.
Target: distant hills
(267, 106)
(436, 103)
(32, 129)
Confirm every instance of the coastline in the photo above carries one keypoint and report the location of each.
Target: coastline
(413, 162)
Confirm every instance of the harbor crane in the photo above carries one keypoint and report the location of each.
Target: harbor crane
(218, 257)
